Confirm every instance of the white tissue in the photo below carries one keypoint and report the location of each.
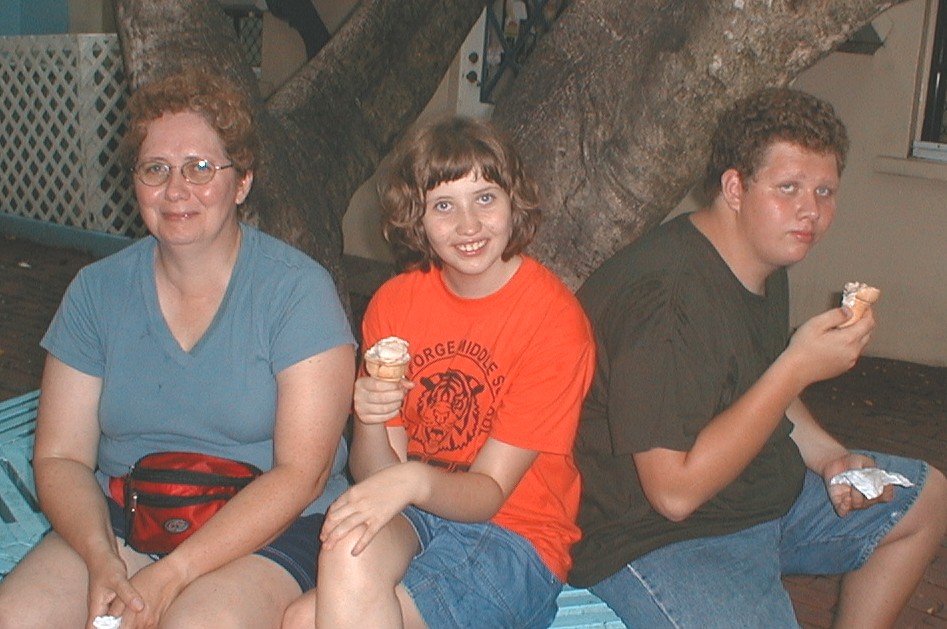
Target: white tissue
(107, 622)
(870, 481)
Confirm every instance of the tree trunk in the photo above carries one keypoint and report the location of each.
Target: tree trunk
(614, 109)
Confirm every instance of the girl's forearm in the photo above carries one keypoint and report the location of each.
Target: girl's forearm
(458, 496)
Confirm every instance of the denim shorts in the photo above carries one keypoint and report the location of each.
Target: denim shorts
(735, 580)
(478, 575)
(295, 549)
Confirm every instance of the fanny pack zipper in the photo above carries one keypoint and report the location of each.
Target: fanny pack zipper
(187, 477)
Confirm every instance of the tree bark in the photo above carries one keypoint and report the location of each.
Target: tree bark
(615, 107)
(612, 110)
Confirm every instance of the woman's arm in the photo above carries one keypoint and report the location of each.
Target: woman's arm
(64, 460)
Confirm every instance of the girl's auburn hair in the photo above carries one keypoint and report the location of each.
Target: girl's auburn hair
(445, 151)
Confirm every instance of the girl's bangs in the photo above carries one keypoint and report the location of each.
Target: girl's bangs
(448, 167)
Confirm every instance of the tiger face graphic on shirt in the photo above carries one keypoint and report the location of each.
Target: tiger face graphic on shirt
(455, 405)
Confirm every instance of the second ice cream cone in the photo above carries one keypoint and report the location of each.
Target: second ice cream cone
(858, 298)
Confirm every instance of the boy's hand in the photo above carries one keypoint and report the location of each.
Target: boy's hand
(823, 351)
(846, 498)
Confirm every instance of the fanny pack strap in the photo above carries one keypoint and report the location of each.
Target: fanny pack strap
(117, 489)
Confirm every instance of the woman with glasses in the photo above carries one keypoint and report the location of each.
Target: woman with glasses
(208, 336)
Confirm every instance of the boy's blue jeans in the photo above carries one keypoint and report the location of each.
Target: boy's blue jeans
(735, 580)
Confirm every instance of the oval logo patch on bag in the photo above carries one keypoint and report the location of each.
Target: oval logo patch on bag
(176, 525)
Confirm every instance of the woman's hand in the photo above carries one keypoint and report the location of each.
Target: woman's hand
(110, 588)
(159, 584)
(376, 401)
(371, 504)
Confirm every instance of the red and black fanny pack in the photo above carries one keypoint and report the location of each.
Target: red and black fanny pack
(167, 496)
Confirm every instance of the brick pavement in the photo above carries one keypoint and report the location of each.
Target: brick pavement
(32, 281)
(890, 406)
(881, 404)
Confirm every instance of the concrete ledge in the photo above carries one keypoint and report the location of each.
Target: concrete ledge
(52, 235)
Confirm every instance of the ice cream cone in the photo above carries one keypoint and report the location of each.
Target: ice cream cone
(388, 359)
(859, 298)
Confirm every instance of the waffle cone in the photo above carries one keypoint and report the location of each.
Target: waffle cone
(392, 372)
(863, 300)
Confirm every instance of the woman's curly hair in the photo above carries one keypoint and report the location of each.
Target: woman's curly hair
(442, 152)
(224, 107)
(750, 127)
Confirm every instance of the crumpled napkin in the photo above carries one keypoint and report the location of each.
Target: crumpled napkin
(870, 481)
(107, 622)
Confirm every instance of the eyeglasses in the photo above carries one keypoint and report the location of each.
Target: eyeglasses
(196, 171)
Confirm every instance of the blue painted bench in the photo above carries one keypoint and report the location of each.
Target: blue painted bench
(22, 524)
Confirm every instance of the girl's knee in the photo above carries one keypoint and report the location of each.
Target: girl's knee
(339, 558)
(365, 571)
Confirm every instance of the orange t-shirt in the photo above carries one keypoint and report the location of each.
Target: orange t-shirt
(515, 366)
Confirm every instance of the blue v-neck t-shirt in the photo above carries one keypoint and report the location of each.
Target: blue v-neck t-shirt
(219, 398)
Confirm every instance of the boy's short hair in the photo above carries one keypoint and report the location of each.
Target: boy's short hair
(754, 123)
(220, 102)
(442, 152)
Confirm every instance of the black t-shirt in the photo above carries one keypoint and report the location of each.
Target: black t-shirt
(679, 339)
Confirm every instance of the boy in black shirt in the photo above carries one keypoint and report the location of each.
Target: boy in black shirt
(705, 477)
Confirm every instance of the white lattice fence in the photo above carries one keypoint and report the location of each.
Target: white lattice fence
(62, 114)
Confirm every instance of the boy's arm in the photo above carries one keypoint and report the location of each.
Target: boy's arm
(825, 456)
(817, 447)
(677, 482)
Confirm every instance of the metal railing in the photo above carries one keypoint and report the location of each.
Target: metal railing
(510, 34)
